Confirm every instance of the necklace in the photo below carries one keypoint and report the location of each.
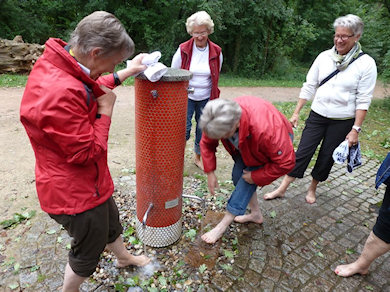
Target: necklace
(202, 49)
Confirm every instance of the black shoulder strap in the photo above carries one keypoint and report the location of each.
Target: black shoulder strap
(87, 89)
(337, 70)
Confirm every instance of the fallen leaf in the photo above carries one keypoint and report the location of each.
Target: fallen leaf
(202, 268)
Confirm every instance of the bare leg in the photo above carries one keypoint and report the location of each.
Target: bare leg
(281, 190)
(216, 233)
(72, 281)
(197, 161)
(124, 257)
(373, 248)
(255, 215)
(311, 193)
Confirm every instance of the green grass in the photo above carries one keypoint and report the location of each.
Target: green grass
(375, 137)
(231, 81)
(13, 80)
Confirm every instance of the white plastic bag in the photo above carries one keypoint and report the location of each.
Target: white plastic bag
(340, 154)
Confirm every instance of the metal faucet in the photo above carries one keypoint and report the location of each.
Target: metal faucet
(146, 214)
(196, 198)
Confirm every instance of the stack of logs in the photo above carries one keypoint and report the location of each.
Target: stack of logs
(16, 56)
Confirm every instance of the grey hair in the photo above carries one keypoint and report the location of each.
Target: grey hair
(197, 19)
(353, 22)
(101, 30)
(219, 116)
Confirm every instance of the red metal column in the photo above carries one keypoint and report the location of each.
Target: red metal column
(160, 122)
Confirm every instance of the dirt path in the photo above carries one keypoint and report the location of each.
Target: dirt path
(17, 184)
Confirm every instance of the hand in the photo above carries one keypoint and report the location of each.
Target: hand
(212, 182)
(294, 120)
(136, 65)
(106, 102)
(247, 176)
(352, 137)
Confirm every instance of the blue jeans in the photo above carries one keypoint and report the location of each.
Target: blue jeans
(197, 107)
(243, 191)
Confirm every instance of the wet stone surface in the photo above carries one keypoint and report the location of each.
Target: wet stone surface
(295, 249)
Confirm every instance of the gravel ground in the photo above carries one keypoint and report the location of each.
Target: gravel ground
(189, 263)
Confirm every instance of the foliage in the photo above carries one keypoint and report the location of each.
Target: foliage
(17, 219)
(259, 39)
(376, 37)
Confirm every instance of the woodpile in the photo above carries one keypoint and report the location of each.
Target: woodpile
(16, 56)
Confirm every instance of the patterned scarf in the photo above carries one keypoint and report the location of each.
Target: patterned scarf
(342, 61)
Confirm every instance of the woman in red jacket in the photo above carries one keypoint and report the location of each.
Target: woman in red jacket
(259, 139)
(66, 110)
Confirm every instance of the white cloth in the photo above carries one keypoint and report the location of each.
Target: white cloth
(200, 69)
(155, 70)
(344, 93)
(340, 154)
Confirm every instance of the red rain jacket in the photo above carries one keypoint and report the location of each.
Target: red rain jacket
(263, 141)
(58, 111)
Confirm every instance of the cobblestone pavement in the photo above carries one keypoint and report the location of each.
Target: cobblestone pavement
(295, 249)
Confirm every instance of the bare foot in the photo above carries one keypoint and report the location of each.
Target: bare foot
(350, 270)
(255, 218)
(132, 260)
(311, 197)
(213, 235)
(197, 161)
(199, 164)
(273, 195)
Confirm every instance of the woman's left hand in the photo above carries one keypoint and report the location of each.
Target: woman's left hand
(247, 177)
(353, 138)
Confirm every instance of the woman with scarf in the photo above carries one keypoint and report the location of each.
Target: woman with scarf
(204, 59)
(342, 81)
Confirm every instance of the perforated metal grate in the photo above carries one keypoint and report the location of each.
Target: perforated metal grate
(160, 120)
(159, 236)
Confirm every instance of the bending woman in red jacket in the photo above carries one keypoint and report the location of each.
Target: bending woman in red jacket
(259, 139)
(66, 110)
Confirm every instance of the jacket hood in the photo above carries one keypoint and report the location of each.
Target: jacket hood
(59, 57)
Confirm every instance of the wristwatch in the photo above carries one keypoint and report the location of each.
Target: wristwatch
(117, 81)
(357, 128)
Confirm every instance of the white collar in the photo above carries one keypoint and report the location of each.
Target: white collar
(85, 69)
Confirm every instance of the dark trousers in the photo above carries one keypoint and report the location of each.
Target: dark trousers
(331, 133)
(91, 231)
(382, 226)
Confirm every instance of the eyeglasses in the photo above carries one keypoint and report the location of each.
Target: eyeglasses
(342, 37)
(202, 33)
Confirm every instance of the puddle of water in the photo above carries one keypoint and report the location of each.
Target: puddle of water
(203, 253)
(148, 270)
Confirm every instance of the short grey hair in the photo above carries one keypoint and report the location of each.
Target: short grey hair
(219, 116)
(353, 22)
(197, 19)
(101, 30)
